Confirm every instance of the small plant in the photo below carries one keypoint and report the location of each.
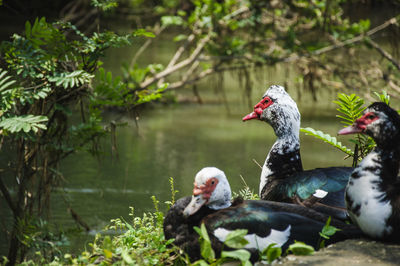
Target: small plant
(246, 193)
(383, 97)
(351, 108)
(234, 240)
(271, 253)
(141, 242)
(173, 193)
(327, 231)
(300, 248)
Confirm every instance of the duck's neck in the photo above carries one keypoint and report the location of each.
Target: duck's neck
(373, 190)
(283, 159)
(382, 165)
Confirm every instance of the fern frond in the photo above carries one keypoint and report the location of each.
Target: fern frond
(25, 122)
(72, 79)
(327, 138)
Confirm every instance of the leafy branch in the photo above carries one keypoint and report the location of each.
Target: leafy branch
(328, 139)
(25, 122)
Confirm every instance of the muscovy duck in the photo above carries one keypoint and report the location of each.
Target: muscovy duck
(266, 221)
(373, 191)
(282, 177)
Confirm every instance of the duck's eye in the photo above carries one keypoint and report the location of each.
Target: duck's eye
(212, 182)
(371, 116)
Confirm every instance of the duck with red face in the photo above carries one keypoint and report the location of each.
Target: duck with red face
(282, 177)
(373, 191)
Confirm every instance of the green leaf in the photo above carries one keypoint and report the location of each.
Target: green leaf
(327, 138)
(200, 263)
(235, 239)
(125, 256)
(71, 79)
(24, 123)
(272, 252)
(205, 244)
(180, 37)
(328, 230)
(300, 248)
(143, 32)
(171, 20)
(383, 97)
(239, 254)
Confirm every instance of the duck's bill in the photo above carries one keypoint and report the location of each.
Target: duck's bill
(250, 116)
(195, 204)
(353, 129)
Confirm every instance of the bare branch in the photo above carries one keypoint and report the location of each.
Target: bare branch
(157, 30)
(177, 55)
(357, 38)
(178, 66)
(384, 53)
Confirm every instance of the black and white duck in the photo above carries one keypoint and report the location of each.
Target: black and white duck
(266, 221)
(373, 191)
(283, 177)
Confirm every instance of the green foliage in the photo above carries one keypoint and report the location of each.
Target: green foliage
(271, 253)
(171, 20)
(72, 79)
(41, 240)
(234, 240)
(327, 231)
(24, 123)
(49, 72)
(115, 92)
(8, 93)
(327, 138)
(246, 193)
(105, 5)
(383, 97)
(350, 106)
(141, 243)
(300, 248)
(173, 193)
(143, 32)
(241, 255)
(206, 249)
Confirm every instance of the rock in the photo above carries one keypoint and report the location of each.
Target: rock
(350, 252)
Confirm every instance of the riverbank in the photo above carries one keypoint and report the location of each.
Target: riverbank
(349, 252)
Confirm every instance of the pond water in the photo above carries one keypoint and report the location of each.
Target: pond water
(177, 141)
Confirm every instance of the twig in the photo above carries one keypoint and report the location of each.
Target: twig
(254, 160)
(177, 55)
(178, 66)
(181, 83)
(245, 184)
(384, 53)
(357, 38)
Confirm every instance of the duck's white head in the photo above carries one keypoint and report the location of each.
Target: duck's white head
(211, 188)
(279, 110)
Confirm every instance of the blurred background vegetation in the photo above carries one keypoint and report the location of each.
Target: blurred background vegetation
(60, 78)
